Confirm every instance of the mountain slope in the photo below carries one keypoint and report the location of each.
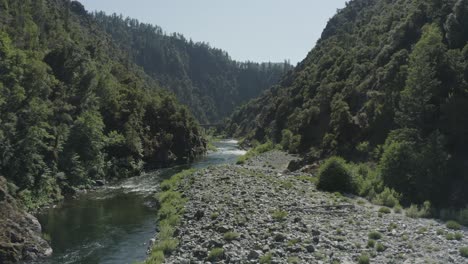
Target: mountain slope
(73, 107)
(387, 83)
(204, 78)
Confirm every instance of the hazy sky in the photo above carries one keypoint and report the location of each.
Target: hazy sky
(256, 30)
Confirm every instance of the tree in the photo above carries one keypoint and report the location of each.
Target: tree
(418, 103)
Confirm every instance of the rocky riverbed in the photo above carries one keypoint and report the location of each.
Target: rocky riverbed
(260, 212)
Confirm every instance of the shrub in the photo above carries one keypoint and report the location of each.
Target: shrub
(397, 209)
(371, 243)
(367, 180)
(454, 225)
(279, 215)
(464, 252)
(385, 210)
(458, 236)
(418, 212)
(364, 259)
(388, 197)
(335, 176)
(450, 236)
(229, 236)
(266, 259)
(214, 216)
(216, 254)
(375, 235)
(380, 247)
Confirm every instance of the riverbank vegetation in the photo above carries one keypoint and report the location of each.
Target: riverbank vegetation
(385, 88)
(171, 209)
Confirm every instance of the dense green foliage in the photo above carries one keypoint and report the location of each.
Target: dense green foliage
(204, 78)
(335, 176)
(386, 83)
(74, 109)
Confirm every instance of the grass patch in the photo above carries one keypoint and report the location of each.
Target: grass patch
(464, 252)
(398, 209)
(454, 225)
(294, 260)
(450, 236)
(371, 243)
(286, 184)
(419, 212)
(375, 235)
(172, 206)
(364, 259)
(256, 151)
(306, 178)
(279, 215)
(230, 236)
(293, 242)
(216, 254)
(214, 216)
(380, 247)
(385, 210)
(266, 259)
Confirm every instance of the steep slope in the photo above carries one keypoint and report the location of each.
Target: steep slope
(74, 109)
(387, 82)
(204, 78)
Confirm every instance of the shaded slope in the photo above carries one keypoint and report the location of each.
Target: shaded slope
(204, 78)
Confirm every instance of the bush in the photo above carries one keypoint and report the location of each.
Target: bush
(216, 254)
(385, 210)
(380, 247)
(335, 176)
(266, 259)
(418, 212)
(279, 215)
(375, 235)
(371, 243)
(229, 236)
(450, 236)
(398, 209)
(367, 180)
(464, 252)
(454, 225)
(364, 259)
(388, 197)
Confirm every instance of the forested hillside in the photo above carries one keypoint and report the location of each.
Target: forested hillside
(386, 85)
(75, 109)
(204, 78)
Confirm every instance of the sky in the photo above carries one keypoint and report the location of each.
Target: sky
(255, 30)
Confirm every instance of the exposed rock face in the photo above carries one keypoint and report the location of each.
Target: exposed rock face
(20, 232)
(280, 217)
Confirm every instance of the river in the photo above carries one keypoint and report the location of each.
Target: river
(114, 224)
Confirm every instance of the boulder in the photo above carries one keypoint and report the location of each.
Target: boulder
(20, 232)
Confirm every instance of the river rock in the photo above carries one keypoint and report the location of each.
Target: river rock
(277, 213)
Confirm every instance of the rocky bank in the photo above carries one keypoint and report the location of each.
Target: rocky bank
(20, 232)
(260, 212)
